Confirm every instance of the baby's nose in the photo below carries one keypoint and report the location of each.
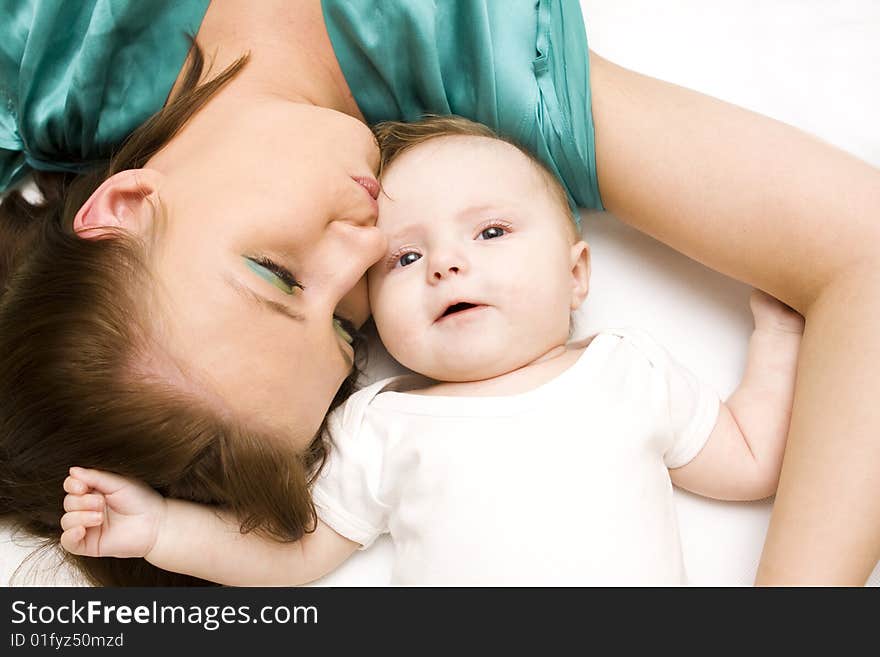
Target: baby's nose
(440, 272)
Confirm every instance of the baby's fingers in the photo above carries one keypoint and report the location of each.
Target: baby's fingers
(83, 519)
(75, 486)
(91, 502)
(105, 482)
(73, 541)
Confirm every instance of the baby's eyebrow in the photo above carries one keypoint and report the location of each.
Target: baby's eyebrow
(404, 232)
(401, 233)
(479, 208)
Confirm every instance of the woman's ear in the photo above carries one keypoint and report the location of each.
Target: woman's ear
(580, 273)
(126, 200)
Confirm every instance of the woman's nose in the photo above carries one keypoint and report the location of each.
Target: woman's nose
(353, 249)
(362, 217)
(361, 208)
(367, 244)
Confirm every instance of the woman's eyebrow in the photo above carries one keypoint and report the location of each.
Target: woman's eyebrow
(264, 302)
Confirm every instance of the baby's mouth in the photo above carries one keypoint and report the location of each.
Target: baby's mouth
(458, 307)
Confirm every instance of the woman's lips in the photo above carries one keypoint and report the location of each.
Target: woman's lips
(370, 184)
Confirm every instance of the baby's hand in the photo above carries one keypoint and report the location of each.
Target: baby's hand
(773, 315)
(109, 516)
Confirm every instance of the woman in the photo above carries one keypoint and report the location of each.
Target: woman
(209, 346)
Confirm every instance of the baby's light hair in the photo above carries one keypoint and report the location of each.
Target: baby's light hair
(397, 137)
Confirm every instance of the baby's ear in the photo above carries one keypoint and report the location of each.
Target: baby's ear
(123, 201)
(580, 273)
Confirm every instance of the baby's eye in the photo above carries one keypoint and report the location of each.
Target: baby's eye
(408, 258)
(492, 232)
(402, 256)
(274, 273)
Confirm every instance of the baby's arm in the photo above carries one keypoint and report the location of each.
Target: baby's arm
(743, 456)
(111, 516)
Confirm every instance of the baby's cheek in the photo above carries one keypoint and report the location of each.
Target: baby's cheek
(393, 324)
(407, 348)
(541, 310)
(385, 324)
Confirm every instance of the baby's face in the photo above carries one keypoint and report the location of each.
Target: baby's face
(477, 280)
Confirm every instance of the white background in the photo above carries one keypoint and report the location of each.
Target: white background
(812, 63)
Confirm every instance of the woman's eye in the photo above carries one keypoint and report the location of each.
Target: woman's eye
(408, 258)
(273, 273)
(492, 232)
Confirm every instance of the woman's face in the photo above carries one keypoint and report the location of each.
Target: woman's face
(270, 228)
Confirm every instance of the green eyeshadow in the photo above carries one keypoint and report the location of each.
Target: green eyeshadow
(268, 275)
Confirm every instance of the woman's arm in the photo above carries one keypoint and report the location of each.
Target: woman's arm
(107, 515)
(771, 206)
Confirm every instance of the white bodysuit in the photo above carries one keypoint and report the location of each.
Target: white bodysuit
(566, 484)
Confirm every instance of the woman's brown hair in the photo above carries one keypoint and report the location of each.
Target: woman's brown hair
(75, 336)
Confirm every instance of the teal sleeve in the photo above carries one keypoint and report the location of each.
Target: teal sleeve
(519, 66)
(78, 76)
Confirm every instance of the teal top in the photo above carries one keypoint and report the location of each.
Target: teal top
(77, 77)
(519, 66)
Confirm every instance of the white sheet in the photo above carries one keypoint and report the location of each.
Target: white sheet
(810, 63)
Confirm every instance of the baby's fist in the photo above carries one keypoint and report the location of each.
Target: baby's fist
(107, 515)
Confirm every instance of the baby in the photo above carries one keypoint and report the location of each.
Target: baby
(517, 456)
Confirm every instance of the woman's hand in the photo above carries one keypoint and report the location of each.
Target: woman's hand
(772, 315)
(107, 515)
